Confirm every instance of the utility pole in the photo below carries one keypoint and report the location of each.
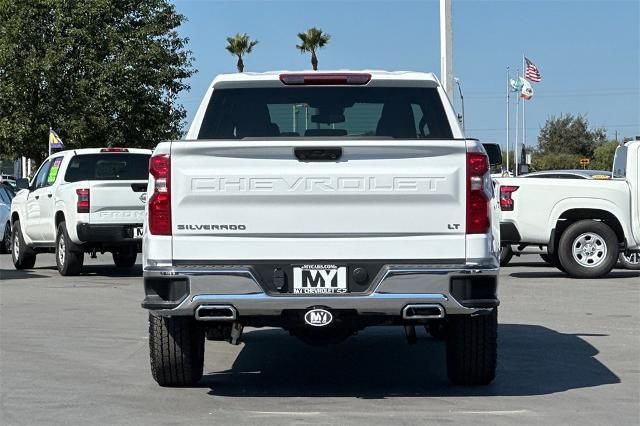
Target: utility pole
(446, 47)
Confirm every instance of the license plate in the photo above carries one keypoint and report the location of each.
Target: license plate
(137, 232)
(319, 279)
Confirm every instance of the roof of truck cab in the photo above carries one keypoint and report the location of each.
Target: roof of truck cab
(375, 75)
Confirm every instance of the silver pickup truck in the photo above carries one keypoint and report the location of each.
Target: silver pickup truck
(322, 203)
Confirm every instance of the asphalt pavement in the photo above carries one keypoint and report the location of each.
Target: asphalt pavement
(74, 351)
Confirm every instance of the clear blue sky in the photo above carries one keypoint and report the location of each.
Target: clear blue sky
(587, 51)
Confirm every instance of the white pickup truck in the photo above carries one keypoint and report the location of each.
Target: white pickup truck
(321, 203)
(85, 200)
(583, 223)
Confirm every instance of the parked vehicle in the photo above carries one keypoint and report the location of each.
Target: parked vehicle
(6, 195)
(583, 224)
(365, 207)
(82, 201)
(9, 180)
(570, 174)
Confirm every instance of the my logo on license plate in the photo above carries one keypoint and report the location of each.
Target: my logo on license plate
(319, 279)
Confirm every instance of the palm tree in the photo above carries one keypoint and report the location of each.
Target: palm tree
(239, 45)
(311, 41)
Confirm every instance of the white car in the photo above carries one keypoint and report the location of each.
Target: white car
(6, 195)
(583, 223)
(322, 203)
(85, 200)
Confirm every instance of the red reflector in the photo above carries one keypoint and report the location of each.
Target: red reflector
(320, 79)
(114, 150)
(160, 201)
(506, 202)
(83, 205)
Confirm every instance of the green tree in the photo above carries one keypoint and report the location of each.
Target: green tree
(99, 72)
(557, 161)
(569, 134)
(240, 45)
(311, 41)
(603, 156)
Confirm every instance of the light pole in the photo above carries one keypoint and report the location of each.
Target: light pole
(446, 47)
(457, 80)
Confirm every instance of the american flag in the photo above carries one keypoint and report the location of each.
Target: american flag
(532, 72)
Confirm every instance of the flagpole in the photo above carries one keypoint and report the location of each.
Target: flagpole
(508, 121)
(524, 102)
(515, 149)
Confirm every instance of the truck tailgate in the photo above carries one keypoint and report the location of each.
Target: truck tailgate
(381, 200)
(117, 201)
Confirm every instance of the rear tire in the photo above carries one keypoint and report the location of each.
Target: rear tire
(472, 347)
(124, 259)
(588, 249)
(630, 262)
(506, 253)
(69, 256)
(5, 244)
(176, 349)
(22, 255)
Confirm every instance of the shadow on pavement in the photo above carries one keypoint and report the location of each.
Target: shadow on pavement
(112, 271)
(533, 360)
(12, 274)
(559, 274)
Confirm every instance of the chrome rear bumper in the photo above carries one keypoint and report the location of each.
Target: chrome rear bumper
(392, 290)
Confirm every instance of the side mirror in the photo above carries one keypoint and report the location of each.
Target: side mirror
(22, 183)
(494, 153)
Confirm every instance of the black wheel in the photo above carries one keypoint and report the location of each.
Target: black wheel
(5, 244)
(23, 256)
(176, 349)
(437, 329)
(472, 346)
(69, 256)
(588, 249)
(632, 261)
(506, 253)
(555, 261)
(124, 259)
(547, 258)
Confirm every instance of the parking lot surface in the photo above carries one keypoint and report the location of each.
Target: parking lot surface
(74, 350)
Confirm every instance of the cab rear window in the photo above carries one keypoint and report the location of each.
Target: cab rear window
(108, 166)
(326, 112)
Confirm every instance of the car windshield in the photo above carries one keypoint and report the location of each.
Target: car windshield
(327, 112)
(108, 166)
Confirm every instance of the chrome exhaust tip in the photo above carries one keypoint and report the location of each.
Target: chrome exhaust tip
(422, 311)
(216, 313)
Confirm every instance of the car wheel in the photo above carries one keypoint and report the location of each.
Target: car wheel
(588, 249)
(176, 349)
(69, 256)
(472, 347)
(124, 259)
(22, 255)
(5, 244)
(631, 261)
(506, 253)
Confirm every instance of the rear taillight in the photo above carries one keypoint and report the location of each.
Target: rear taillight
(477, 199)
(160, 201)
(321, 79)
(83, 204)
(506, 202)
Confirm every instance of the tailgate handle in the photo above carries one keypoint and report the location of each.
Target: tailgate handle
(318, 154)
(139, 187)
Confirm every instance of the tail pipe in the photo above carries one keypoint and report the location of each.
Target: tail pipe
(216, 313)
(422, 311)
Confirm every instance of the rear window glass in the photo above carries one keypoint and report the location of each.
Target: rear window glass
(620, 162)
(108, 166)
(327, 112)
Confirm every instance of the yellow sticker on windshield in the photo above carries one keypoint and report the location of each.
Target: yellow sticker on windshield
(600, 177)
